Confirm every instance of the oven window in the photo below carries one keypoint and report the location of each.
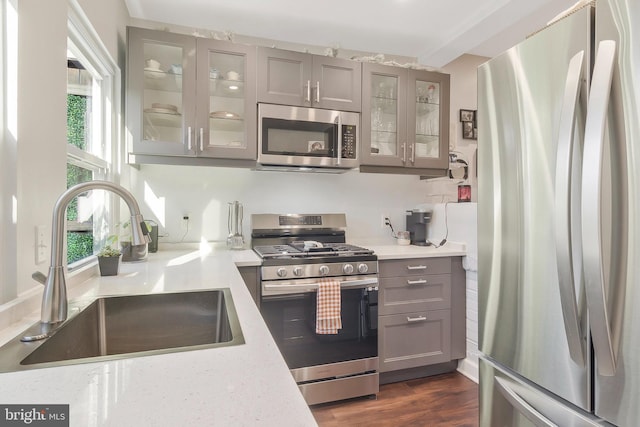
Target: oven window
(298, 138)
(291, 321)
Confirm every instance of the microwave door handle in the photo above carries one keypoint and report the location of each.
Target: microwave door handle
(595, 127)
(568, 273)
(308, 97)
(339, 157)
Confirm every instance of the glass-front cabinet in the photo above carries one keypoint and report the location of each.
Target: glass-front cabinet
(405, 118)
(227, 117)
(189, 96)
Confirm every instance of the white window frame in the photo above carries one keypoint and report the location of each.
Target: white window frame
(103, 159)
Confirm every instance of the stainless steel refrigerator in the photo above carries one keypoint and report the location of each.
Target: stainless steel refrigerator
(559, 224)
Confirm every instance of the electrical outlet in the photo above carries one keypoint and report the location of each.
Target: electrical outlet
(41, 247)
(385, 220)
(185, 221)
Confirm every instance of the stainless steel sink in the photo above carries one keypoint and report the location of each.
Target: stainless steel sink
(134, 325)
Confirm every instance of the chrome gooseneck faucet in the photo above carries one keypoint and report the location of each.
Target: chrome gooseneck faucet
(54, 299)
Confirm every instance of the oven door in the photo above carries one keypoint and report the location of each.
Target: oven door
(291, 319)
(299, 136)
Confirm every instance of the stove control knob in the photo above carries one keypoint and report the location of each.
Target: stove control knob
(324, 270)
(297, 271)
(363, 268)
(281, 272)
(347, 269)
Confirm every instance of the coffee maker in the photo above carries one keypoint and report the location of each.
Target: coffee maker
(417, 221)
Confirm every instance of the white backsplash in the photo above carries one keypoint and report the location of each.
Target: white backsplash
(166, 193)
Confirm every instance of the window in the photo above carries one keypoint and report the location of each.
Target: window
(91, 127)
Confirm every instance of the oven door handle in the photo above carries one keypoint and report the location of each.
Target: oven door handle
(274, 289)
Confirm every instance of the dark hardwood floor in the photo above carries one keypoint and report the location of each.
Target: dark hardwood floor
(442, 400)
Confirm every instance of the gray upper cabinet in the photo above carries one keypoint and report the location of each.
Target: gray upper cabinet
(302, 79)
(405, 120)
(190, 97)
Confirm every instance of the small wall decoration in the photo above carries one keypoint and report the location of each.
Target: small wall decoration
(468, 119)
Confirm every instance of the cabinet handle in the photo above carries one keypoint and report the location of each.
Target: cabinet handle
(318, 92)
(201, 139)
(404, 152)
(416, 319)
(189, 138)
(412, 156)
(416, 267)
(339, 120)
(308, 98)
(417, 282)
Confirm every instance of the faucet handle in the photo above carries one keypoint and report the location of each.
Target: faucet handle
(39, 277)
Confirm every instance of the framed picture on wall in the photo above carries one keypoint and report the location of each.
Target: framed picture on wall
(468, 131)
(467, 116)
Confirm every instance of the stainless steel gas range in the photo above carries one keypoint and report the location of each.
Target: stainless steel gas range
(298, 251)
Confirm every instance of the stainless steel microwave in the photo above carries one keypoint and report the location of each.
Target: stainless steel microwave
(301, 137)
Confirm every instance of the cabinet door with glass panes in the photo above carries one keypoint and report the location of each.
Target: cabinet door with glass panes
(384, 106)
(161, 79)
(428, 119)
(226, 100)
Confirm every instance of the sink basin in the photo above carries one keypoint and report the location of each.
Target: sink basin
(134, 325)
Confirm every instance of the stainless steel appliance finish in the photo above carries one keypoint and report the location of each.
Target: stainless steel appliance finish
(301, 137)
(119, 327)
(235, 240)
(298, 251)
(54, 298)
(558, 226)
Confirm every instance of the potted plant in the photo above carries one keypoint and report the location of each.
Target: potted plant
(109, 261)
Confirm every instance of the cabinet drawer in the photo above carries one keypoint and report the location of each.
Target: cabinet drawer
(414, 339)
(415, 266)
(414, 293)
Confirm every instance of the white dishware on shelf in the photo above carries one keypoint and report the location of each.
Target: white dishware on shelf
(152, 64)
(224, 115)
(157, 107)
(233, 75)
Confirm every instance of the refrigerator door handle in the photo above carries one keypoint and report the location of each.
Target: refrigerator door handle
(522, 406)
(597, 106)
(564, 215)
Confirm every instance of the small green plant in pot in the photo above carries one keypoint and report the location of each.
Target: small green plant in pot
(109, 261)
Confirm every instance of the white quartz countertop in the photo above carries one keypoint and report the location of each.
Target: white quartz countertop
(244, 385)
(395, 251)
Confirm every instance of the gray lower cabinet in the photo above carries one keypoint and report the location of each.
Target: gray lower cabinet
(414, 339)
(306, 80)
(251, 277)
(421, 312)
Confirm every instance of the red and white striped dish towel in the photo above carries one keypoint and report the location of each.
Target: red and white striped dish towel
(328, 319)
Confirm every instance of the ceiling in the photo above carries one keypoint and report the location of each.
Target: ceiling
(433, 31)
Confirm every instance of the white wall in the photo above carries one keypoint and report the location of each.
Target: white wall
(462, 218)
(38, 165)
(166, 193)
(41, 141)
(464, 95)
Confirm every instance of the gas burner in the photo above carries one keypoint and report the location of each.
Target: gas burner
(303, 250)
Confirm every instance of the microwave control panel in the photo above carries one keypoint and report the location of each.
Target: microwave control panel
(348, 141)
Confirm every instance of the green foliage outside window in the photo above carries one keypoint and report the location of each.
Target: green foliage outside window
(79, 243)
(76, 116)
